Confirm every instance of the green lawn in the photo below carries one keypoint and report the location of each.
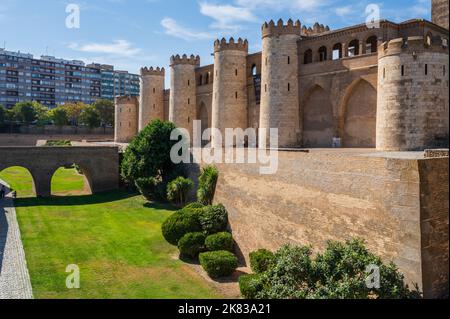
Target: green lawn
(64, 182)
(115, 239)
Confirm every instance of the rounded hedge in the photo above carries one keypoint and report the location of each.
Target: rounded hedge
(250, 285)
(218, 263)
(261, 260)
(220, 241)
(214, 219)
(179, 224)
(192, 244)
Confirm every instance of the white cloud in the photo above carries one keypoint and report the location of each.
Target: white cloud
(279, 5)
(344, 11)
(227, 17)
(171, 27)
(118, 48)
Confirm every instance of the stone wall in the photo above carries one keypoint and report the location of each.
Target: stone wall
(439, 12)
(32, 139)
(338, 195)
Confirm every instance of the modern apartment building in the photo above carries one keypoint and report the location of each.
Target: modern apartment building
(115, 82)
(51, 81)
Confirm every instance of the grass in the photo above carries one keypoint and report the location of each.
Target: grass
(58, 143)
(114, 238)
(64, 182)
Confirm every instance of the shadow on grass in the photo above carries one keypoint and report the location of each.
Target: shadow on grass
(106, 197)
(160, 206)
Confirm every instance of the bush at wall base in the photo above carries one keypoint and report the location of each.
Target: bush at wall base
(218, 263)
(179, 224)
(261, 260)
(192, 244)
(220, 241)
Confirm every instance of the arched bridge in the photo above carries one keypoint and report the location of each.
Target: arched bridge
(100, 164)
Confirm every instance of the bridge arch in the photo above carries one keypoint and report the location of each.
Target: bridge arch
(13, 174)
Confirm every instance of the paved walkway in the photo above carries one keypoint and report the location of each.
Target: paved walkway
(14, 278)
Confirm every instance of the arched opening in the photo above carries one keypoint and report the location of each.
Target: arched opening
(254, 70)
(372, 44)
(70, 180)
(323, 53)
(204, 117)
(207, 78)
(429, 39)
(337, 51)
(353, 48)
(317, 119)
(360, 111)
(200, 80)
(308, 57)
(20, 180)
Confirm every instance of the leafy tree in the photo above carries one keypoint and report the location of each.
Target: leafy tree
(2, 114)
(59, 116)
(148, 156)
(105, 108)
(74, 111)
(340, 272)
(42, 113)
(25, 112)
(90, 116)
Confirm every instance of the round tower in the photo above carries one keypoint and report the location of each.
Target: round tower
(126, 118)
(279, 81)
(229, 106)
(413, 104)
(182, 105)
(151, 103)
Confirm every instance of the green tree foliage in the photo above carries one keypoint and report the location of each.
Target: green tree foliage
(90, 116)
(178, 189)
(105, 109)
(29, 112)
(2, 114)
(148, 156)
(214, 219)
(207, 185)
(59, 116)
(74, 111)
(261, 260)
(340, 272)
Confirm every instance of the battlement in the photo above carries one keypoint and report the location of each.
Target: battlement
(315, 30)
(413, 45)
(184, 59)
(272, 29)
(240, 45)
(126, 99)
(151, 71)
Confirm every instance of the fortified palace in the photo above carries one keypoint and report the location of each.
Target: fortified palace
(384, 87)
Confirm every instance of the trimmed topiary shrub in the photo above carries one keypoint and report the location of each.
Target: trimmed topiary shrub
(220, 241)
(218, 263)
(179, 224)
(192, 244)
(207, 182)
(261, 260)
(250, 285)
(147, 187)
(214, 219)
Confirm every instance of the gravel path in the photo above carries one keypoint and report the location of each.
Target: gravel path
(14, 278)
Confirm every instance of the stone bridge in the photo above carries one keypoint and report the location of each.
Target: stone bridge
(100, 165)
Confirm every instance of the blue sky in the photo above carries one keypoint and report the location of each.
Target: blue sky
(135, 33)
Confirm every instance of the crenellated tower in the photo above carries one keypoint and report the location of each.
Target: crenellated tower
(151, 103)
(229, 106)
(413, 103)
(126, 118)
(279, 81)
(182, 109)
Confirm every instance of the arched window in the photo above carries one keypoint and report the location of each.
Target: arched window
(254, 70)
(207, 78)
(323, 53)
(429, 39)
(337, 51)
(308, 57)
(200, 80)
(371, 44)
(353, 48)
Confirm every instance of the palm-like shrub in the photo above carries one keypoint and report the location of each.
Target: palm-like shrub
(178, 189)
(207, 182)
